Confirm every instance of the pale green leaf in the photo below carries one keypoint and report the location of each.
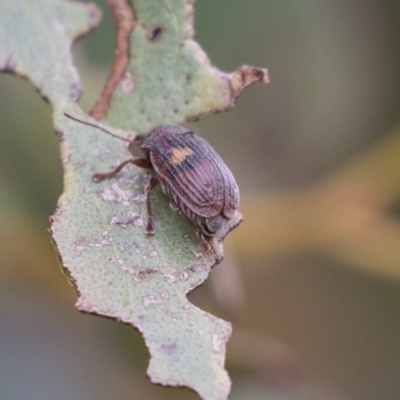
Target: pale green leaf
(98, 228)
(121, 273)
(35, 41)
(172, 79)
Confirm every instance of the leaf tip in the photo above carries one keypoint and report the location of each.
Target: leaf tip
(246, 75)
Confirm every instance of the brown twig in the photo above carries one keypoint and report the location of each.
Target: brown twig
(125, 20)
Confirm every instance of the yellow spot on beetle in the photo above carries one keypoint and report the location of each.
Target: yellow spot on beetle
(179, 155)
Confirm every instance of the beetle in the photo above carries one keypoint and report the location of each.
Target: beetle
(195, 178)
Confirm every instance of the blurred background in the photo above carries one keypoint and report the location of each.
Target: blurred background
(311, 280)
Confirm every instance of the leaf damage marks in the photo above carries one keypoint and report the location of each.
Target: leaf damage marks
(168, 273)
(125, 190)
(125, 21)
(127, 83)
(83, 244)
(169, 348)
(243, 77)
(155, 34)
(118, 195)
(9, 66)
(174, 81)
(139, 275)
(133, 218)
(152, 300)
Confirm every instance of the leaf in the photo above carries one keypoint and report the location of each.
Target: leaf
(35, 41)
(169, 79)
(121, 273)
(98, 228)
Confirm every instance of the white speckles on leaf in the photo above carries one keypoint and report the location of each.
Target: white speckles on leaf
(132, 218)
(176, 276)
(83, 244)
(114, 220)
(217, 344)
(152, 300)
(127, 84)
(139, 275)
(117, 195)
(197, 254)
(135, 218)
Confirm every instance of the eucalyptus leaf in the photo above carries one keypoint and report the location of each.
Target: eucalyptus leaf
(35, 42)
(98, 228)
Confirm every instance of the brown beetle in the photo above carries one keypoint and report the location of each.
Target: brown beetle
(200, 185)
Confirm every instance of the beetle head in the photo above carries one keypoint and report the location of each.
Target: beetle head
(227, 225)
(153, 138)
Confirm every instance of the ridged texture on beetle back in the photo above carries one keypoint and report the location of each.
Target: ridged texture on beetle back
(191, 172)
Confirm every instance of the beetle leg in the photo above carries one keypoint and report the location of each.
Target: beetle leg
(174, 207)
(140, 162)
(152, 184)
(212, 246)
(206, 243)
(204, 240)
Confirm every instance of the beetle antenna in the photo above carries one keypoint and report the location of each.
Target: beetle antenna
(98, 127)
